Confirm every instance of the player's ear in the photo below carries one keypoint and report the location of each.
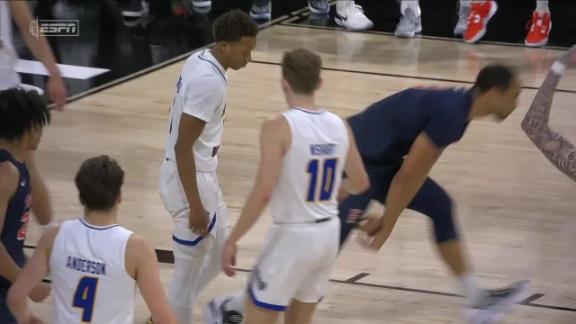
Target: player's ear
(284, 84)
(222, 46)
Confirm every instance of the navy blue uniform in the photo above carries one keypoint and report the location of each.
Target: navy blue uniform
(15, 227)
(385, 132)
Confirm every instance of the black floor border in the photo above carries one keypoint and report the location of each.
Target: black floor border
(167, 257)
(403, 76)
(357, 277)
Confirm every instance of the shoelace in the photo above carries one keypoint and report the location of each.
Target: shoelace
(478, 10)
(537, 20)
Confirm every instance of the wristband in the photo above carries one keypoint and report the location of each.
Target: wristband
(558, 68)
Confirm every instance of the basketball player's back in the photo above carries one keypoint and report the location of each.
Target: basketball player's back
(312, 167)
(95, 264)
(89, 277)
(304, 153)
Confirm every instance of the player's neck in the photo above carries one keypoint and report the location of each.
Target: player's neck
(302, 101)
(101, 218)
(215, 51)
(15, 148)
(480, 107)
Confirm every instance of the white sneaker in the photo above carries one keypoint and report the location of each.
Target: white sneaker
(351, 16)
(493, 306)
(460, 27)
(215, 312)
(409, 26)
(261, 10)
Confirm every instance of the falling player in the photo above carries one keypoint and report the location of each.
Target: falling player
(555, 147)
(188, 181)
(303, 154)
(94, 263)
(400, 139)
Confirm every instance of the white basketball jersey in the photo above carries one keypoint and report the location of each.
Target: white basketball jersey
(89, 279)
(200, 92)
(312, 167)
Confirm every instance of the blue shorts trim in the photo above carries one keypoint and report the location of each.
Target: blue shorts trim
(199, 239)
(272, 307)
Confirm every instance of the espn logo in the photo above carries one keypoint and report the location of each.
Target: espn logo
(55, 28)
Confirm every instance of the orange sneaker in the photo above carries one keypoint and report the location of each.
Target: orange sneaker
(480, 14)
(539, 29)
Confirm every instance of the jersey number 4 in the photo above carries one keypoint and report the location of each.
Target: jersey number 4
(326, 185)
(85, 296)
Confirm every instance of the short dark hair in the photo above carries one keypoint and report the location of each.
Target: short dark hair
(99, 181)
(21, 111)
(494, 76)
(233, 25)
(301, 69)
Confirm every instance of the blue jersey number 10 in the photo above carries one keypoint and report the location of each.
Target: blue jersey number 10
(85, 296)
(326, 185)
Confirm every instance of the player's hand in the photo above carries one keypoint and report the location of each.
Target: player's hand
(31, 319)
(375, 242)
(198, 221)
(56, 90)
(229, 259)
(40, 292)
(569, 57)
(370, 225)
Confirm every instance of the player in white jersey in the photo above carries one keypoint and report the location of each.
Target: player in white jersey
(188, 182)
(95, 264)
(304, 152)
(38, 45)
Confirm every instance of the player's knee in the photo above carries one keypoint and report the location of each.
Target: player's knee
(441, 213)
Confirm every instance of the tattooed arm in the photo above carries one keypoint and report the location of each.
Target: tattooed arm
(555, 147)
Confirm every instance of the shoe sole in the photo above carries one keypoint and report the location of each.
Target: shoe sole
(540, 43)
(418, 31)
(201, 4)
(260, 16)
(341, 23)
(483, 31)
(504, 306)
(134, 14)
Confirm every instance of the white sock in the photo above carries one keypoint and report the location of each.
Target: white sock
(183, 312)
(542, 6)
(470, 290)
(237, 302)
(342, 5)
(412, 4)
(465, 4)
